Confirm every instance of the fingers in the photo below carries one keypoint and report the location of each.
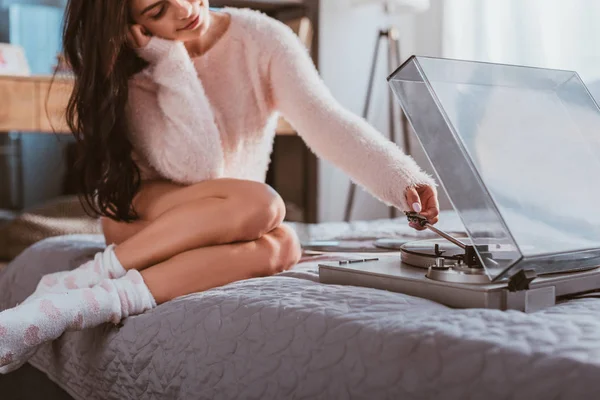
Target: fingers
(433, 220)
(431, 212)
(416, 226)
(424, 201)
(137, 37)
(431, 208)
(131, 41)
(413, 199)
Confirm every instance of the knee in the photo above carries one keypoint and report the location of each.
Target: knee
(260, 210)
(110, 230)
(118, 232)
(283, 248)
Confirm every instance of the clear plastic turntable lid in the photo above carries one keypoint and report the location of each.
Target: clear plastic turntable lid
(517, 150)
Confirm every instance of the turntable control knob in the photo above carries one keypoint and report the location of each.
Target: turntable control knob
(439, 263)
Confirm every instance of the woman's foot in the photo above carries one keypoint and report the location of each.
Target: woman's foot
(105, 265)
(25, 327)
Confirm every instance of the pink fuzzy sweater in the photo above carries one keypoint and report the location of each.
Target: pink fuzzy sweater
(215, 115)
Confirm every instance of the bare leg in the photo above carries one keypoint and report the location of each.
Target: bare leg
(175, 220)
(24, 328)
(209, 267)
(207, 214)
(118, 232)
(185, 242)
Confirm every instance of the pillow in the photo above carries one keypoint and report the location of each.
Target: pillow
(61, 216)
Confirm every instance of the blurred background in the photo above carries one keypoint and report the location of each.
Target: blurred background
(343, 36)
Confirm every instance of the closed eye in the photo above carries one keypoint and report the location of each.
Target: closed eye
(155, 6)
(160, 12)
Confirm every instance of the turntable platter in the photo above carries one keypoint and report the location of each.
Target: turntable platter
(423, 253)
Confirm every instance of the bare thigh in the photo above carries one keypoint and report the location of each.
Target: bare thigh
(155, 198)
(205, 268)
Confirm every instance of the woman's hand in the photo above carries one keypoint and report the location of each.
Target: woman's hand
(424, 200)
(138, 37)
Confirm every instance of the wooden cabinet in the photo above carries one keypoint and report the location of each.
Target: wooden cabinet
(17, 105)
(52, 103)
(28, 105)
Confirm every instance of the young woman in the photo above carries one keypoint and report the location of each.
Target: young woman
(174, 109)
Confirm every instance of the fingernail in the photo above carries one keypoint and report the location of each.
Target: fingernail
(416, 207)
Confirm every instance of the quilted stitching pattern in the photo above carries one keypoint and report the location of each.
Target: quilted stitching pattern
(291, 337)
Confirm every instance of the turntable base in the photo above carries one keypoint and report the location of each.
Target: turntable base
(389, 273)
(443, 261)
(451, 271)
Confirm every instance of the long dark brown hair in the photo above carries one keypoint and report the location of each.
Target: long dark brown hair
(95, 47)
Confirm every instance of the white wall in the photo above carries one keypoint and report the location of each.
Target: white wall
(347, 41)
(541, 33)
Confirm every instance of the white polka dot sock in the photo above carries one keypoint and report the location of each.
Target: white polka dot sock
(104, 265)
(25, 327)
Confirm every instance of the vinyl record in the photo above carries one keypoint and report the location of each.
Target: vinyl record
(390, 243)
(422, 253)
(342, 246)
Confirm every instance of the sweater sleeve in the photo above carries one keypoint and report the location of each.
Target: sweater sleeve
(171, 120)
(333, 132)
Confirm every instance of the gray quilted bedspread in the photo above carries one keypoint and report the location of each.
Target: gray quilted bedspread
(290, 337)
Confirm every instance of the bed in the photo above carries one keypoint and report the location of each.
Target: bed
(289, 336)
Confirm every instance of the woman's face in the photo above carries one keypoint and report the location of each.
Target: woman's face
(180, 20)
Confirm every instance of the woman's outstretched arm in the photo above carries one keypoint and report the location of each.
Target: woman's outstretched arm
(333, 132)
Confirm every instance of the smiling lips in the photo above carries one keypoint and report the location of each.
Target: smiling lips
(192, 24)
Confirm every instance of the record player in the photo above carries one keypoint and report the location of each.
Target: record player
(517, 151)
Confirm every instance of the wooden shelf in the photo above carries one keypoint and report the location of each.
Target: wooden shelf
(32, 104)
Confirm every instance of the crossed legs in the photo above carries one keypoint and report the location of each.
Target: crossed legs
(202, 236)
